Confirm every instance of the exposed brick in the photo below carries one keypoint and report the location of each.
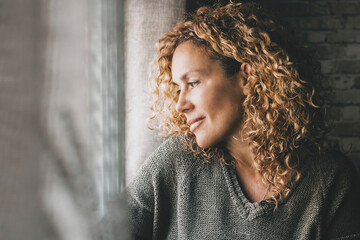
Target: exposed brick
(345, 8)
(325, 83)
(292, 23)
(350, 113)
(291, 8)
(302, 35)
(332, 28)
(347, 97)
(352, 50)
(348, 66)
(347, 129)
(321, 23)
(329, 51)
(341, 82)
(316, 36)
(344, 36)
(356, 83)
(329, 95)
(332, 113)
(319, 8)
(352, 22)
(327, 66)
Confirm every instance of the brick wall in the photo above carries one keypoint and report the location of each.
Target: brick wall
(332, 28)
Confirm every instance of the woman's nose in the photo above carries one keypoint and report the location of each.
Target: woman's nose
(183, 104)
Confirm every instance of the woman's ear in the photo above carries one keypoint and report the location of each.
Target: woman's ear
(246, 80)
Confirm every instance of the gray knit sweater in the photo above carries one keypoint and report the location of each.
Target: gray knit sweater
(179, 196)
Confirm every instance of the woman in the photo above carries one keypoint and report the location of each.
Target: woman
(246, 158)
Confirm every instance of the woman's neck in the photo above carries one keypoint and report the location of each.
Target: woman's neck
(253, 185)
(241, 152)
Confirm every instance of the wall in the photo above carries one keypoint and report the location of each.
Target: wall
(332, 29)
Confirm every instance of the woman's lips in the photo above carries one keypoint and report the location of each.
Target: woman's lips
(194, 124)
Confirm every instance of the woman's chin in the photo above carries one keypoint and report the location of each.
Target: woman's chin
(203, 142)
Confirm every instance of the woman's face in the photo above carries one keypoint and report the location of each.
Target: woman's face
(211, 102)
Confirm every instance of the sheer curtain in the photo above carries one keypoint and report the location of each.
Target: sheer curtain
(62, 114)
(83, 118)
(21, 146)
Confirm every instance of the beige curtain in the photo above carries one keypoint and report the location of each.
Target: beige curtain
(145, 22)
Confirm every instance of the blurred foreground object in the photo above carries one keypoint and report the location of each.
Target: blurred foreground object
(61, 97)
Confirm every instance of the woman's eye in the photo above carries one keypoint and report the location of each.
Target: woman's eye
(193, 83)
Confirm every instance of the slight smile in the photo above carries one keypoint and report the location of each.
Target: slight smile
(195, 123)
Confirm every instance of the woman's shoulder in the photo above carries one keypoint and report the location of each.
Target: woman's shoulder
(162, 173)
(173, 158)
(171, 148)
(340, 191)
(173, 152)
(334, 163)
(333, 171)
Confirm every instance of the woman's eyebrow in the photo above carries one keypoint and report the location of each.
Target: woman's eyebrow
(185, 76)
(182, 78)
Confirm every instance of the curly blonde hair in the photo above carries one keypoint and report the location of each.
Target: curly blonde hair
(282, 121)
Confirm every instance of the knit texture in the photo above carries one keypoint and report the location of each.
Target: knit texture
(177, 195)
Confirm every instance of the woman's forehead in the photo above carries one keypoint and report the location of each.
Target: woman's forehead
(189, 58)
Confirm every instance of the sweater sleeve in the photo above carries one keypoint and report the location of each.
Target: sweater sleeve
(343, 198)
